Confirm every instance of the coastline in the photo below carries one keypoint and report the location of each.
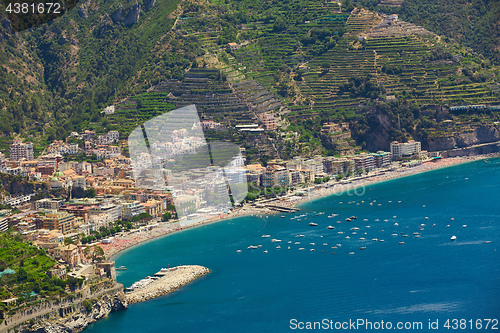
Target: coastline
(122, 244)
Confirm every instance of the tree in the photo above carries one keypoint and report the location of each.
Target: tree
(90, 192)
(94, 253)
(142, 217)
(68, 241)
(167, 216)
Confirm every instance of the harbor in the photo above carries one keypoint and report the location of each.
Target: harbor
(163, 282)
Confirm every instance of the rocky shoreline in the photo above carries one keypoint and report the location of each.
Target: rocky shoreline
(75, 318)
(173, 279)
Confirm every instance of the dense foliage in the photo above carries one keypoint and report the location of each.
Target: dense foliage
(30, 278)
(473, 23)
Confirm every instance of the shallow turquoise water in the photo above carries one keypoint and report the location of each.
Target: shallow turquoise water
(427, 278)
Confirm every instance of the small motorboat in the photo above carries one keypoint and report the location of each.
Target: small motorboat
(312, 224)
(330, 227)
(453, 238)
(121, 268)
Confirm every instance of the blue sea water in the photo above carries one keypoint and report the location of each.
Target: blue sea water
(426, 279)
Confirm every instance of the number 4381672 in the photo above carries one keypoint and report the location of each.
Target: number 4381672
(462, 324)
(33, 8)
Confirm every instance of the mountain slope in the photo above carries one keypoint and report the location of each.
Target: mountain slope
(312, 61)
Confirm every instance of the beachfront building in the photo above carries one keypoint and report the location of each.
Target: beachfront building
(383, 159)
(405, 149)
(275, 175)
(153, 208)
(365, 162)
(254, 173)
(131, 209)
(20, 150)
(295, 177)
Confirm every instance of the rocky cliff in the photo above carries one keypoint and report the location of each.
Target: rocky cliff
(75, 319)
(476, 135)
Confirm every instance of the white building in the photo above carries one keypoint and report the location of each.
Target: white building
(20, 150)
(405, 149)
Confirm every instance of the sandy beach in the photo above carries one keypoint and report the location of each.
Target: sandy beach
(127, 241)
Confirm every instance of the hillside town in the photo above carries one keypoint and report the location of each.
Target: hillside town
(92, 197)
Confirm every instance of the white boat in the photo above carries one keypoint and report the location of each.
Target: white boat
(252, 247)
(453, 238)
(297, 243)
(299, 236)
(312, 224)
(330, 227)
(238, 251)
(266, 236)
(355, 228)
(348, 219)
(278, 247)
(312, 243)
(311, 250)
(396, 224)
(351, 253)
(363, 248)
(465, 225)
(265, 251)
(121, 268)
(274, 240)
(401, 243)
(301, 249)
(340, 232)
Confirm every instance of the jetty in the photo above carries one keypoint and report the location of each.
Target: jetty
(167, 280)
(282, 209)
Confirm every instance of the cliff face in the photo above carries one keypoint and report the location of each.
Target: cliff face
(73, 320)
(477, 135)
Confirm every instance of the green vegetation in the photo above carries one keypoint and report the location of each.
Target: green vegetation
(104, 232)
(30, 280)
(472, 23)
(95, 253)
(305, 53)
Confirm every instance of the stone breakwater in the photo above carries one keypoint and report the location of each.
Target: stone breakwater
(173, 279)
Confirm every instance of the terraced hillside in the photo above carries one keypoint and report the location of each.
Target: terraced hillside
(306, 62)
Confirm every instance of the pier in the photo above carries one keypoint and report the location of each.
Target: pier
(282, 209)
(167, 281)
